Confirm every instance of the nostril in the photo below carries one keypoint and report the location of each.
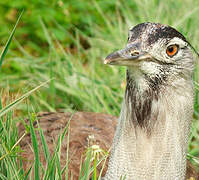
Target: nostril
(134, 53)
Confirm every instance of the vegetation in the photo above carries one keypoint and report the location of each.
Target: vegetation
(65, 42)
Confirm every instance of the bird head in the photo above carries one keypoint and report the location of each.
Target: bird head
(153, 52)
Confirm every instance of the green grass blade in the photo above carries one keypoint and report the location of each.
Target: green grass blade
(17, 101)
(95, 170)
(27, 174)
(85, 170)
(2, 177)
(21, 165)
(35, 148)
(44, 144)
(0, 103)
(3, 53)
(67, 154)
(58, 163)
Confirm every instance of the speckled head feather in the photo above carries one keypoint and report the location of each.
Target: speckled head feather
(154, 31)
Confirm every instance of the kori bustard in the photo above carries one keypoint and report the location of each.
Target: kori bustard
(151, 138)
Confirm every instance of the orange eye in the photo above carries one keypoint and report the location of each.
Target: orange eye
(172, 50)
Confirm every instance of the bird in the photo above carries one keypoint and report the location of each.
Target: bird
(149, 140)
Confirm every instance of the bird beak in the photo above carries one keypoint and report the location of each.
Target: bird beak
(127, 57)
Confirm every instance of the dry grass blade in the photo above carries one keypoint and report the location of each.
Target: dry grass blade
(17, 101)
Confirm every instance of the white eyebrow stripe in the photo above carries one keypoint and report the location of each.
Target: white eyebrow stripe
(177, 41)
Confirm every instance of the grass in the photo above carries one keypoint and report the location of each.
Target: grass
(71, 58)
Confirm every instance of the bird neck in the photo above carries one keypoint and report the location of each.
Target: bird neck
(152, 133)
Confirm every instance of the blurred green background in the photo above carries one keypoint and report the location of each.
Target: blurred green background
(66, 41)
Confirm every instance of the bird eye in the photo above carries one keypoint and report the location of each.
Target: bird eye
(172, 50)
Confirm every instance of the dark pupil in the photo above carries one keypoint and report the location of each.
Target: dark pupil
(170, 49)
